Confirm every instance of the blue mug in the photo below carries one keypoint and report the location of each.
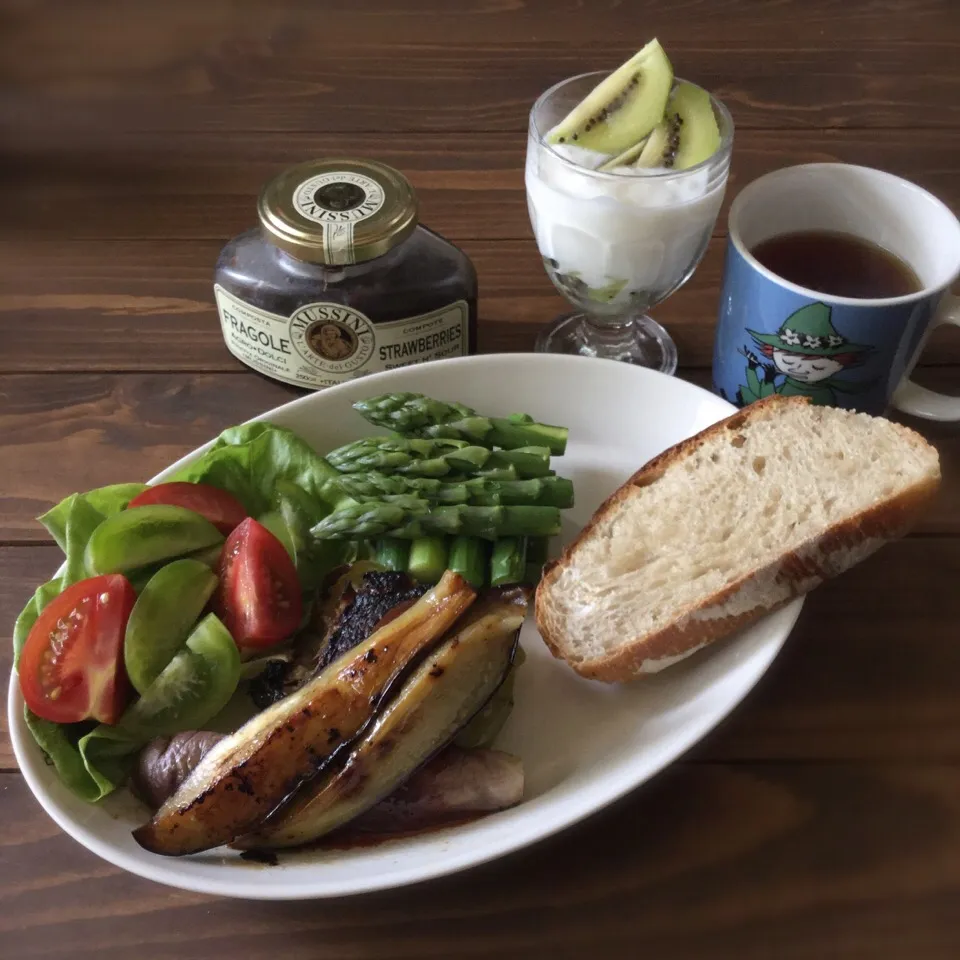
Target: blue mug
(774, 337)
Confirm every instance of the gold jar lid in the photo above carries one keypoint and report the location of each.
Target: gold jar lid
(338, 211)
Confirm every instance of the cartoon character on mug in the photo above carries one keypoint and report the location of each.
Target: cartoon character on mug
(805, 357)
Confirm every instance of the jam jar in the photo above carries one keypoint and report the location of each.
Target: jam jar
(341, 280)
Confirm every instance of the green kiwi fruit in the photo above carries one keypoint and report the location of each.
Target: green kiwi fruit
(624, 159)
(623, 108)
(688, 133)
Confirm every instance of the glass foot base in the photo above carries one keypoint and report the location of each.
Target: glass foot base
(639, 340)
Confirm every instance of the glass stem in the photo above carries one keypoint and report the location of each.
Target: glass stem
(610, 335)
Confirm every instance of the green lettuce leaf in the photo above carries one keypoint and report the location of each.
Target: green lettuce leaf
(59, 742)
(250, 460)
(272, 471)
(104, 502)
(71, 523)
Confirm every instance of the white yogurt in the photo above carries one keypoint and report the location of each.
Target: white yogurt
(634, 228)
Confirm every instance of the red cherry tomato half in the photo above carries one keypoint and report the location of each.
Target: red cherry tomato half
(71, 667)
(258, 597)
(222, 509)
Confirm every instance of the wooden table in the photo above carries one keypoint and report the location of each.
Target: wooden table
(823, 819)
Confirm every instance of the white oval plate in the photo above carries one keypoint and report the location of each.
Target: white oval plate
(583, 744)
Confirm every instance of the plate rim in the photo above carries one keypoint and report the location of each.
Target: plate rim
(28, 753)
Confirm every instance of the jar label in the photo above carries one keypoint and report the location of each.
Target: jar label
(323, 344)
(338, 200)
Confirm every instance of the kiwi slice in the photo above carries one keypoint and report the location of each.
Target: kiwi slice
(624, 159)
(623, 108)
(688, 133)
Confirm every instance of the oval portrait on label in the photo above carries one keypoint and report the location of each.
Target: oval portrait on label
(331, 337)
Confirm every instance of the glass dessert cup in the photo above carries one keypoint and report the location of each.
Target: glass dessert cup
(616, 244)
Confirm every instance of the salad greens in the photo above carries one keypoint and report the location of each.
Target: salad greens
(268, 468)
(250, 461)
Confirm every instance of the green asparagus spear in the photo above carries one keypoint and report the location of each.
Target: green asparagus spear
(392, 554)
(469, 459)
(436, 458)
(404, 412)
(428, 559)
(555, 492)
(468, 557)
(411, 517)
(507, 562)
(373, 485)
(417, 415)
(529, 461)
(495, 493)
(387, 453)
(537, 549)
(430, 467)
(478, 491)
(365, 521)
(506, 472)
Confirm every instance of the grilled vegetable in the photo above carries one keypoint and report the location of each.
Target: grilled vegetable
(350, 615)
(438, 699)
(249, 773)
(456, 783)
(166, 762)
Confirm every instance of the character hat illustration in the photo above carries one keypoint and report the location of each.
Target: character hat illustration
(809, 331)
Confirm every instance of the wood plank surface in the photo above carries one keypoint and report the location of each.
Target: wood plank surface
(847, 686)
(286, 70)
(747, 862)
(148, 185)
(148, 306)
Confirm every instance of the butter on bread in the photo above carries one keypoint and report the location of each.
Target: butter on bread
(727, 526)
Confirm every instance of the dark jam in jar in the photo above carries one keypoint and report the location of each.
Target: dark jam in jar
(340, 280)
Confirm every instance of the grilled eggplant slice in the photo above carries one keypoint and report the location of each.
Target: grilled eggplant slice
(248, 774)
(164, 763)
(452, 684)
(350, 615)
(455, 784)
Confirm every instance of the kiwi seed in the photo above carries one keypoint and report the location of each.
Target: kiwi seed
(624, 107)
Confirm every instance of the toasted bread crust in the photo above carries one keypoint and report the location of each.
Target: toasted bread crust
(762, 592)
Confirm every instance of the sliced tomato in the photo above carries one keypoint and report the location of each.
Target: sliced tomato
(222, 509)
(258, 597)
(71, 667)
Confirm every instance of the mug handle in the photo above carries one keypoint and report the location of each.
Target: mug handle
(919, 401)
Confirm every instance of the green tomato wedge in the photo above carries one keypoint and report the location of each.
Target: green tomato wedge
(209, 556)
(144, 535)
(162, 618)
(193, 687)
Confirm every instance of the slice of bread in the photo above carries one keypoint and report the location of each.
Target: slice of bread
(728, 526)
